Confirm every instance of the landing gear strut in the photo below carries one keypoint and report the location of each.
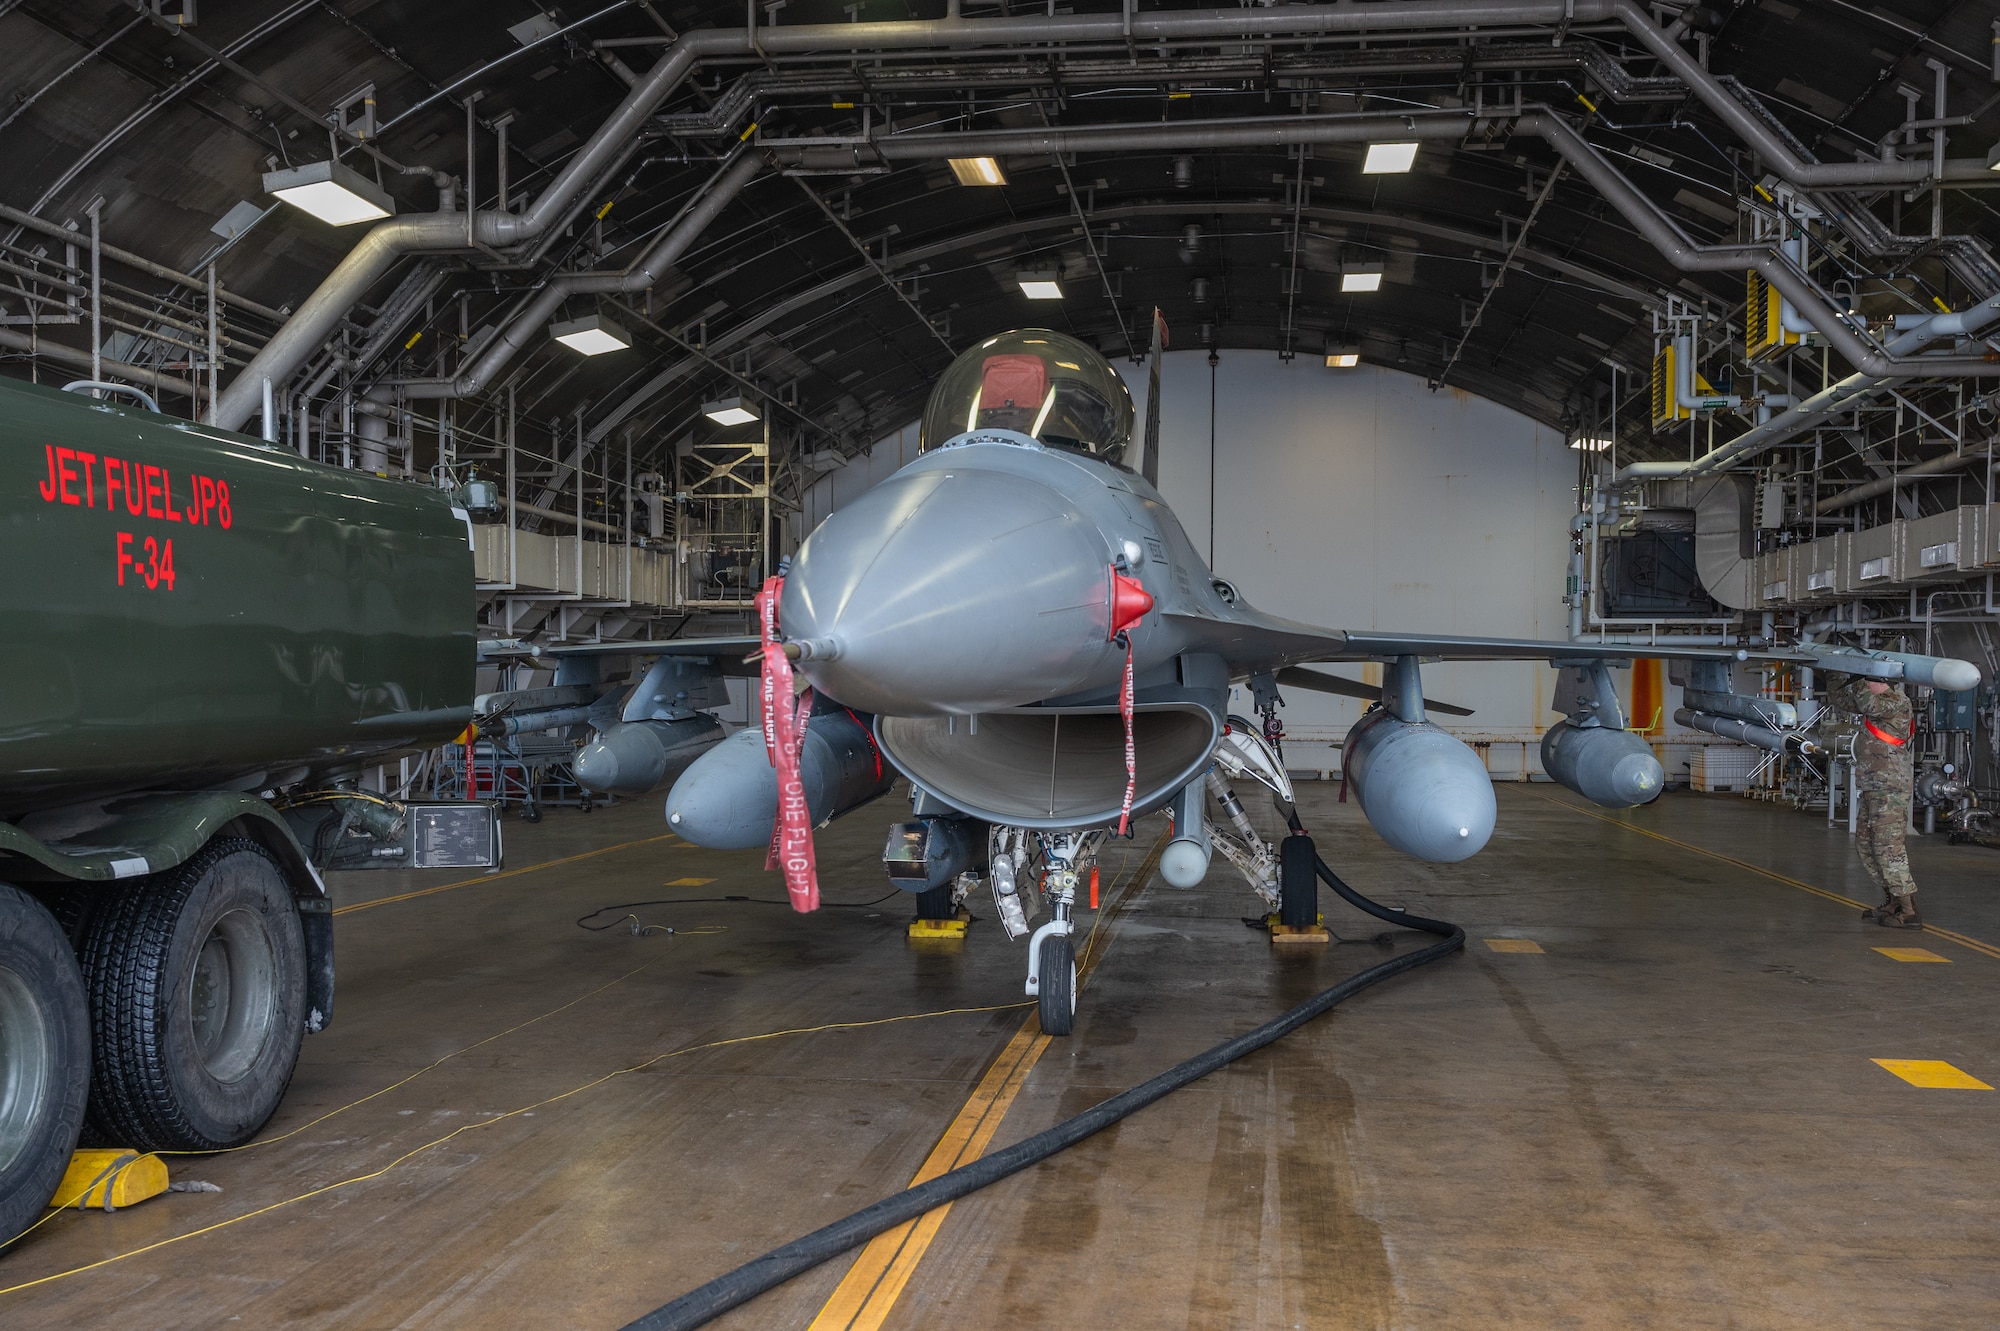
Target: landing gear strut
(1051, 949)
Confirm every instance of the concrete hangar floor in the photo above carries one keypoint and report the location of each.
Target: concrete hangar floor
(1646, 1096)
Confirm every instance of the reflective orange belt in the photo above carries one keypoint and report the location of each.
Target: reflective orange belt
(1897, 740)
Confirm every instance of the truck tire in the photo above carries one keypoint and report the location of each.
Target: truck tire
(197, 981)
(44, 1059)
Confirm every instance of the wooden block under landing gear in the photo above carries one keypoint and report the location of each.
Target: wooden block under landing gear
(954, 928)
(1292, 935)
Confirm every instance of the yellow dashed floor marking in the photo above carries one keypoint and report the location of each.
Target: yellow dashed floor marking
(1932, 1073)
(1963, 940)
(688, 882)
(1513, 945)
(1912, 954)
(496, 876)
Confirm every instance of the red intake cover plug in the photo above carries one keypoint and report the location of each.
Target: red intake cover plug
(1129, 602)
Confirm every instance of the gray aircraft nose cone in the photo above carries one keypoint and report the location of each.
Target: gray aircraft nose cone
(952, 591)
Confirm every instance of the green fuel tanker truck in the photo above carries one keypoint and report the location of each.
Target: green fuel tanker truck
(209, 639)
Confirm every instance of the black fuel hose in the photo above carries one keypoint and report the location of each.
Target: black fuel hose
(699, 1306)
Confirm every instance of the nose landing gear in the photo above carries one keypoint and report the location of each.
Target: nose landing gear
(1052, 948)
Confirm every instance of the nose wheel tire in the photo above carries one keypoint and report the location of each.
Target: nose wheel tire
(44, 1058)
(1057, 998)
(197, 981)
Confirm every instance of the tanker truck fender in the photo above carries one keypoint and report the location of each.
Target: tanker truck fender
(59, 854)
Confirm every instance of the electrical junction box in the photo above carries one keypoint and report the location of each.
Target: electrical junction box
(460, 835)
(1954, 709)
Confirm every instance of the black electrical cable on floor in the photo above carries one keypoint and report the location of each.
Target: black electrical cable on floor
(699, 1306)
(726, 901)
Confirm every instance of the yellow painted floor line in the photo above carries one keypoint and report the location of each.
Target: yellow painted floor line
(862, 1300)
(688, 882)
(1931, 1073)
(1912, 954)
(504, 873)
(877, 1278)
(1930, 930)
(1513, 944)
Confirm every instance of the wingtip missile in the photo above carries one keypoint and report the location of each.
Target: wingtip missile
(1937, 672)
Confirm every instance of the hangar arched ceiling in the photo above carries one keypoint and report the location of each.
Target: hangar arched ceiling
(838, 280)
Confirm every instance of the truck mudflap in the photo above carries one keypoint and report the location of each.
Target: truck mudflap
(131, 836)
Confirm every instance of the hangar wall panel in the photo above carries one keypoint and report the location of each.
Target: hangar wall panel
(1358, 498)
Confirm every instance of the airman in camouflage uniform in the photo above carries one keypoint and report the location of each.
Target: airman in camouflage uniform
(1883, 725)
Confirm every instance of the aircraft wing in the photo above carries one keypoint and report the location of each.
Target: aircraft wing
(1252, 642)
(729, 652)
(1371, 643)
(1314, 681)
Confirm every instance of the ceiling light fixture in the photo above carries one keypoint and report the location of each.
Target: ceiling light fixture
(1361, 277)
(593, 335)
(1342, 356)
(333, 192)
(1993, 158)
(1389, 159)
(977, 171)
(730, 411)
(1039, 286)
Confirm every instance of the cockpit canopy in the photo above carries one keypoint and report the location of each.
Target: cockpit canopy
(1035, 382)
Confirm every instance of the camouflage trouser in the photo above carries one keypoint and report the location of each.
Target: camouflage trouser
(1884, 818)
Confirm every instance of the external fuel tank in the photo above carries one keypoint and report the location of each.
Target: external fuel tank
(189, 608)
(1423, 790)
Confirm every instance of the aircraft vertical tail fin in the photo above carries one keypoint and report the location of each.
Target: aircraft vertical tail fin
(1149, 460)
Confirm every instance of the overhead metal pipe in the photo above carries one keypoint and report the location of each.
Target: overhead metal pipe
(1825, 404)
(1768, 260)
(1776, 152)
(527, 325)
(390, 241)
(63, 355)
(1876, 488)
(1655, 226)
(401, 306)
(437, 232)
(30, 222)
(1235, 132)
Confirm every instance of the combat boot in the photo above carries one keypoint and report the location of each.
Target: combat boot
(1887, 907)
(1900, 913)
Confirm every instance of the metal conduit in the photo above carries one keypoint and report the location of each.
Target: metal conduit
(63, 355)
(1872, 489)
(437, 232)
(537, 310)
(1824, 404)
(30, 222)
(1770, 260)
(1658, 229)
(1777, 154)
(390, 241)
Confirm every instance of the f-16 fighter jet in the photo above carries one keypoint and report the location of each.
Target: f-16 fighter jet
(1017, 623)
